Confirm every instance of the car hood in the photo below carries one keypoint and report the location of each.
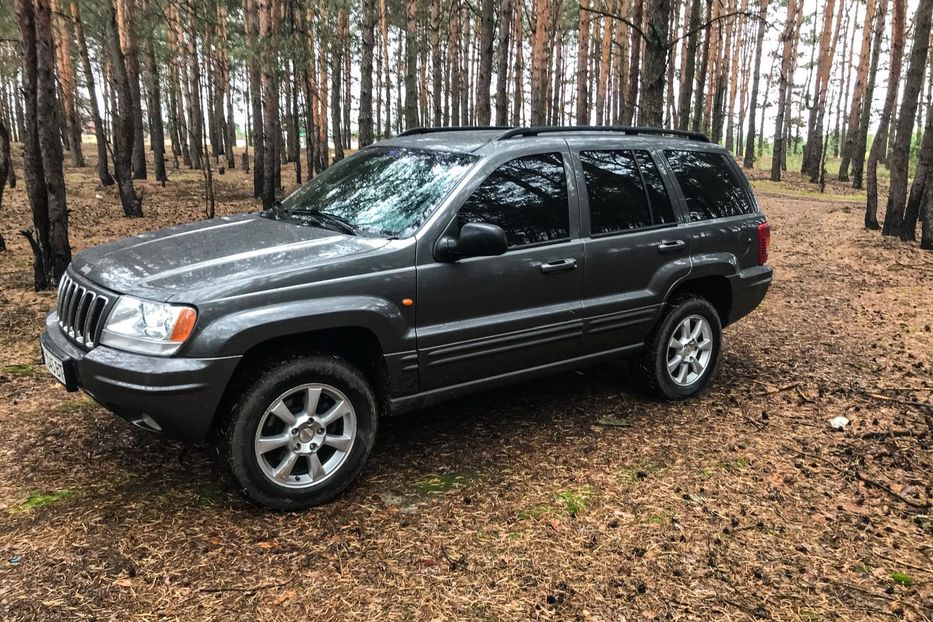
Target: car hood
(172, 262)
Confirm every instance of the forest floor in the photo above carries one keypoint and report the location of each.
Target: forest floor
(571, 499)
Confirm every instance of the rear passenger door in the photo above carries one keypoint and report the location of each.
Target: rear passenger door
(635, 248)
(482, 317)
(723, 219)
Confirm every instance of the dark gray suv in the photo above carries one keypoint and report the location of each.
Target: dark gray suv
(422, 268)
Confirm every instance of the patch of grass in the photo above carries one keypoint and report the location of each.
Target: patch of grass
(575, 501)
(208, 494)
(38, 499)
(436, 484)
(81, 405)
(20, 369)
(902, 578)
(656, 519)
(535, 512)
(737, 464)
(862, 569)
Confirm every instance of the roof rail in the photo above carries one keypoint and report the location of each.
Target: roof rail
(520, 132)
(456, 128)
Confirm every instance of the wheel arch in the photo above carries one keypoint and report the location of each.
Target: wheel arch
(715, 288)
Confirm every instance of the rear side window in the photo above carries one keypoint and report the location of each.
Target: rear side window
(710, 186)
(625, 191)
(527, 197)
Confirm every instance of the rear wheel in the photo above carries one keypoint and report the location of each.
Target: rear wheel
(301, 434)
(682, 352)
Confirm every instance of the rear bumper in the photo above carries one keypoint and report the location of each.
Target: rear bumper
(748, 290)
(180, 395)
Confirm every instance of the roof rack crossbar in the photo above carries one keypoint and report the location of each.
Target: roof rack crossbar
(520, 132)
(457, 128)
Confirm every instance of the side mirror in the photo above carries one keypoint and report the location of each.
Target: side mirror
(476, 239)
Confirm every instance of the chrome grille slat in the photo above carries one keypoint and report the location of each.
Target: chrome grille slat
(80, 309)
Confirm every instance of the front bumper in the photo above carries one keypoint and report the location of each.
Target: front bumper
(180, 395)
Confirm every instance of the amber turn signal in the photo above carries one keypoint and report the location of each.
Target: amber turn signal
(184, 324)
(407, 302)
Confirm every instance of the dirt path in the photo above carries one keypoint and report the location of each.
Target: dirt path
(520, 503)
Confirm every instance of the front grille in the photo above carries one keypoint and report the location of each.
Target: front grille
(80, 310)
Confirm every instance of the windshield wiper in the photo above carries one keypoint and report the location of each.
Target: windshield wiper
(276, 212)
(323, 217)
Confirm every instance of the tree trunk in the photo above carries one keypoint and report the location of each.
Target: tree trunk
(699, 94)
(195, 119)
(487, 35)
(103, 170)
(787, 59)
(689, 67)
(921, 183)
(812, 154)
(518, 95)
(894, 220)
(268, 28)
(502, 62)
(583, 55)
(749, 159)
(251, 28)
(858, 93)
(125, 24)
(411, 64)
(337, 78)
(123, 120)
(878, 146)
(540, 60)
(631, 94)
(861, 139)
(651, 110)
(67, 83)
(156, 131)
(605, 58)
(367, 26)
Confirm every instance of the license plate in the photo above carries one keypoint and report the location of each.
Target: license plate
(54, 365)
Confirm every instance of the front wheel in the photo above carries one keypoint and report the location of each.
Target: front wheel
(301, 434)
(682, 352)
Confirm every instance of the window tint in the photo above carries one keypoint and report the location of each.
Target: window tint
(616, 195)
(657, 193)
(527, 197)
(710, 186)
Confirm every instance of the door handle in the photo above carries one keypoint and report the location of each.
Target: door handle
(671, 246)
(558, 265)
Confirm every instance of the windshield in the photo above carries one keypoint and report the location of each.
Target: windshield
(381, 190)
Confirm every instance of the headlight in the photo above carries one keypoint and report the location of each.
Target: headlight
(148, 327)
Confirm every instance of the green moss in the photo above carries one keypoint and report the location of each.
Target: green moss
(38, 499)
(575, 501)
(20, 369)
(436, 484)
(535, 512)
(902, 578)
(81, 405)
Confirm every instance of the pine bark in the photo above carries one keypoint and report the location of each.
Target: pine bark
(749, 160)
(812, 157)
(861, 138)
(67, 83)
(411, 63)
(583, 54)
(487, 35)
(894, 220)
(651, 109)
(879, 145)
(336, 85)
(254, 78)
(103, 169)
(123, 122)
(540, 59)
(268, 28)
(787, 60)
(156, 129)
(125, 23)
(502, 62)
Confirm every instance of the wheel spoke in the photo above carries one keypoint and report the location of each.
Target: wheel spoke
(282, 412)
(675, 344)
(696, 330)
(315, 468)
(286, 466)
(312, 397)
(340, 443)
(337, 411)
(706, 345)
(682, 372)
(695, 367)
(265, 444)
(672, 365)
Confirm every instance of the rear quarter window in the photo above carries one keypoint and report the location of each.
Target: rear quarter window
(710, 186)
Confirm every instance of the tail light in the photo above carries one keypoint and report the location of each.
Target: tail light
(764, 242)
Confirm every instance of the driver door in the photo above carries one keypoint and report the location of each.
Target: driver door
(482, 317)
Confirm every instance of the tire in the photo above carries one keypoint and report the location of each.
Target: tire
(284, 475)
(653, 366)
